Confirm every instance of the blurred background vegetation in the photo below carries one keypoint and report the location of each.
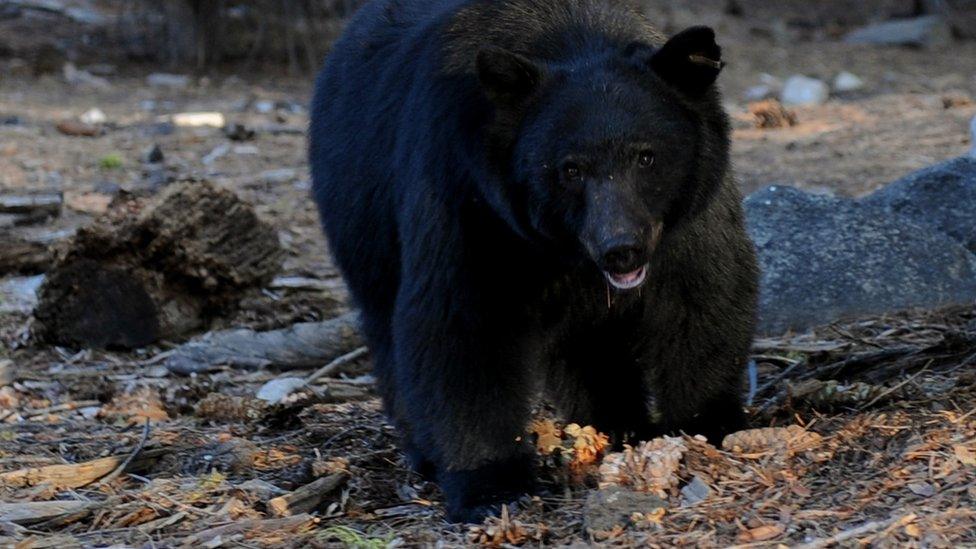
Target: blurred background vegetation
(295, 34)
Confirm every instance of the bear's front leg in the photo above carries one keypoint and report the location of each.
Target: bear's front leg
(462, 381)
(696, 369)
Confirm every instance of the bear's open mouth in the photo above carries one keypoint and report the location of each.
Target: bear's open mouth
(627, 281)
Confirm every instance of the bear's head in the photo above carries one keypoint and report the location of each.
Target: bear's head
(603, 156)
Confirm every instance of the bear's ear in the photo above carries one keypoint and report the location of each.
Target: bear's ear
(690, 61)
(507, 77)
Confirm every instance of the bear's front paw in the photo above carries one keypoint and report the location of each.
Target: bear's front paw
(475, 494)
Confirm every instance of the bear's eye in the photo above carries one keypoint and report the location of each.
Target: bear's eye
(571, 171)
(645, 159)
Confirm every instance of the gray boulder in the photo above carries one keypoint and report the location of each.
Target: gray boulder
(942, 197)
(825, 258)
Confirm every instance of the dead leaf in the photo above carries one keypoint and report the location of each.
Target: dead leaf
(548, 436)
(964, 455)
(761, 533)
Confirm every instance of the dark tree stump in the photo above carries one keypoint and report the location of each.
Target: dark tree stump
(159, 269)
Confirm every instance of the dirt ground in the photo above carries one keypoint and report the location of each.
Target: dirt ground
(896, 467)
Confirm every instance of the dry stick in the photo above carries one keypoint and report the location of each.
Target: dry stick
(896, 387)
(334, 366)
(138, 449)
(61, 408)
(306, 498)
(854, 532)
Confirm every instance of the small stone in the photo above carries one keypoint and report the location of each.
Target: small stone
(264, 106)
(276, 390)
(695, 492)
(10, 120)
(90, 412)
(169, 81)
(199, 120)
(923, 489)
(847, 82)
(76, 128)
(153, 155)
(802, 90)
(94, 117)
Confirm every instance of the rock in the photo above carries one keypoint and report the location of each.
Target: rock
(614, 506)
(276, 390)
(76, 128)
(19, 294)
(199, 120)
(695, 492)
(942, 197)
(264, 106)
(10, 120)
(94, 117)
(77, 77)
(824, 258)
(925, 31)
(847, 82)
(801, 90)
(168, 81)
(153, 155)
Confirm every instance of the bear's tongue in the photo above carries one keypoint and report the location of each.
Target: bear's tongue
(627, 281)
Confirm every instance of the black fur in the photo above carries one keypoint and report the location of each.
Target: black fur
(483, 169)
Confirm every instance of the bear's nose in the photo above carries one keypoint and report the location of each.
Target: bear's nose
(622, 257)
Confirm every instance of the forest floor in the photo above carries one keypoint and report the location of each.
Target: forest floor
(895, 463)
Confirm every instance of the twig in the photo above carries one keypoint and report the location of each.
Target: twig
(135, 452)
(61, 408)
(854, 532)
(896, 387)
(334, 366)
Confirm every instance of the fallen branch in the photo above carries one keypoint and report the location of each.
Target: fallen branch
(30, 512)
(333, 367)
(76, 475)
(252, 526)
(866, 528)
(304, 345)
(307, 498)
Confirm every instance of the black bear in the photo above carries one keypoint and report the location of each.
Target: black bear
(529, 195)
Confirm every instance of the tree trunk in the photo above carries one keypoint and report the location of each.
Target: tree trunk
(156, 270)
